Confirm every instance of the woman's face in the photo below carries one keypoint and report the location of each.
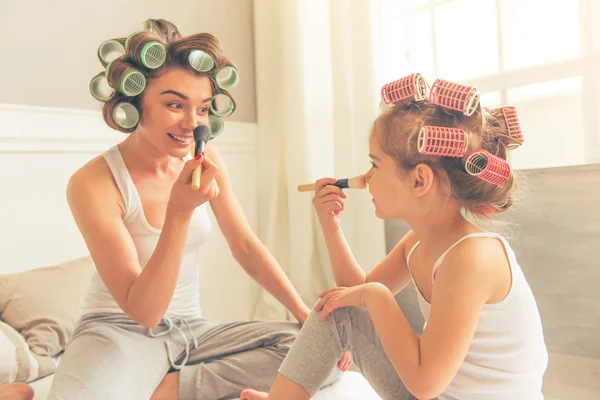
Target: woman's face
(172, 105)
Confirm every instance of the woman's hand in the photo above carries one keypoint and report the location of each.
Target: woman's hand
(183, 197)
(328, 201)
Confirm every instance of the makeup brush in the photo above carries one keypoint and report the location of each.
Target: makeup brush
(358, 182)
(201, 137)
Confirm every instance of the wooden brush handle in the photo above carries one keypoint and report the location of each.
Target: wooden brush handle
(307, 187)
(196, 177)
(196, 174)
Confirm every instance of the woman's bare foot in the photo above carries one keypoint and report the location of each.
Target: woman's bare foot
(16, 391)
(250, 394)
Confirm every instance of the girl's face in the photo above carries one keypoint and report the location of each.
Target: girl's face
(391, 188)
(172, 105)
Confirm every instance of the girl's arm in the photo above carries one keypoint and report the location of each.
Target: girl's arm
(463, 285)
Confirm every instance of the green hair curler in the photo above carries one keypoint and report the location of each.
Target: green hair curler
(126, 115)
(132, 82)
(215, 124)
(153, 55)
(201, 61)
(227, 77)
(100, 89)
(110, 50)
(222, 105)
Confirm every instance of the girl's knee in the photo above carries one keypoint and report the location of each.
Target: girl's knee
(16, 391)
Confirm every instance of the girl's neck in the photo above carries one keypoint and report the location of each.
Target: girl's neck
(441, 229)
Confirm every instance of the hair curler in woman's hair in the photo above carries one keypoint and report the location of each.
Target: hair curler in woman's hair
(410, 86)
(110, 50)
(358, 182)
(514, 128)
(100, 89)
(222, 105)
(126, 116)
(153, 55)
(454, 96)
(488, 167)
(201, 61)
(442, 141)
(125, 79)
(227, 77)
(215, 123)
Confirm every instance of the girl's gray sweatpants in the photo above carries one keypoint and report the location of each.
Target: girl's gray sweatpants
(111, 357)
(320, 345)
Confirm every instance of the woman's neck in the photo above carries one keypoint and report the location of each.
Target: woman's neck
(142, 154)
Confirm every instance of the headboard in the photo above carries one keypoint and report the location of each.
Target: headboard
(556, 237)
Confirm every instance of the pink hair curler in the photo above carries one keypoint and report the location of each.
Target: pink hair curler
(514, 128)
(410, 86)
(488, 167)
(454, 96)
(442, 141)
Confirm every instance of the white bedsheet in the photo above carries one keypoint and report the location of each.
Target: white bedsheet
(352, 386)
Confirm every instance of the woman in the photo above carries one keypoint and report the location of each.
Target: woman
(142, 334)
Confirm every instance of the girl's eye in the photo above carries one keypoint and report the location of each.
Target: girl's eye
(203, 110)
(174, 105)
(373, 165)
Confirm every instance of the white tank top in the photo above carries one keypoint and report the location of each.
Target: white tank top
(186, 298)
(507, 357)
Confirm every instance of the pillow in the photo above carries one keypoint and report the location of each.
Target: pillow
(44, 304)
(17, 363)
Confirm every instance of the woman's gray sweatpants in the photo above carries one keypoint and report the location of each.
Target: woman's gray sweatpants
(111, 357)
(320, 345)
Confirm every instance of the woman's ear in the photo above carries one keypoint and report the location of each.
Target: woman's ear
(422, 177)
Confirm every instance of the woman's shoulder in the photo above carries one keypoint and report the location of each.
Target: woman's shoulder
(93, 180)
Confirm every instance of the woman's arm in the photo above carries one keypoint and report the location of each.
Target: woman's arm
(97, 208)
(245, 246)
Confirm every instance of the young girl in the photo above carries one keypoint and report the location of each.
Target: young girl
(142, 334)
(433, 160)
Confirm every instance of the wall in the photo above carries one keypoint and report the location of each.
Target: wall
(49, 47)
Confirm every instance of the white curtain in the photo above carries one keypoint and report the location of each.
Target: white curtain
(317, 96)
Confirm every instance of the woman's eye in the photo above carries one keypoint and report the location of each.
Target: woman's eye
(373, 165)
(174, 105)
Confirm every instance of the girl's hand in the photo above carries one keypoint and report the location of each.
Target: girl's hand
(328, 201)
(355, 296)
(183, 197)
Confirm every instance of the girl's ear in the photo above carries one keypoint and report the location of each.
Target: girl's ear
(422, 179)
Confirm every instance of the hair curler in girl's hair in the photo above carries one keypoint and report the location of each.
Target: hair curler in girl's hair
(442, 141)
(410, 86)
(488, 167)
(357, 182)
(201, 61)
(454, 96)
(514, 128)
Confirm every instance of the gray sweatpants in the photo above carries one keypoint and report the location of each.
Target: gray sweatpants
(111, 357)
(320, 345)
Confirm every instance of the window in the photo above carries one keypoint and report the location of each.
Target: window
(542, 57)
